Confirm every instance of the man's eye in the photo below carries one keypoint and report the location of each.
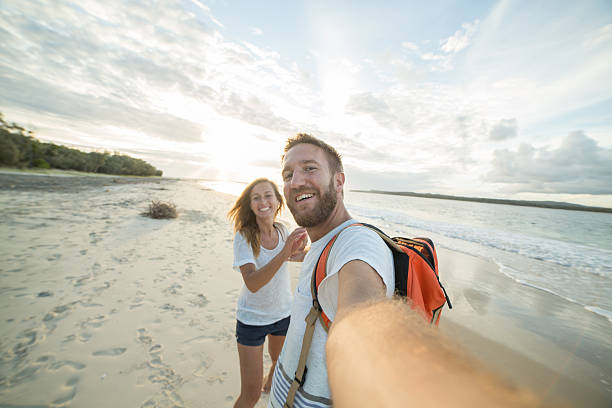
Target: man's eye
(310, 168)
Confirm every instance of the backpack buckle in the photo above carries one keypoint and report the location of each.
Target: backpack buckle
(303, 379)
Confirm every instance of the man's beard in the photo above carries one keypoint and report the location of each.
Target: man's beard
(322, 210)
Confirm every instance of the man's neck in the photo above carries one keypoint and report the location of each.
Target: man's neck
(337, 217)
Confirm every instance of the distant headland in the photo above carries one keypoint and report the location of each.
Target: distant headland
(525, 203)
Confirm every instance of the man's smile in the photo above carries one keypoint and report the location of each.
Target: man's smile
(303, 196)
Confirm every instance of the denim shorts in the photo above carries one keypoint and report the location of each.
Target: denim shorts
(249, 335)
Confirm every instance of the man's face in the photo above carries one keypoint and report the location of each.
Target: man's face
(309, 186)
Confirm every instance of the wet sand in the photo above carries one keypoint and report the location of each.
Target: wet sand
(512, 330)
(103, 307)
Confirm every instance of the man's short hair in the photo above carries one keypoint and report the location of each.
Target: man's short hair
(333, 157)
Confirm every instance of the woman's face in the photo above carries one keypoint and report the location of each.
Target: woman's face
(263, 201)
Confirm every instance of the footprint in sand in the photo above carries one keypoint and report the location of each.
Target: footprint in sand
(70, 393)
(69, 338)
(81, 280)
(199, 301)
(54, 257)
(143, 336)
(93, 322)
(24, 375)
(110, 352)
(122, 260)
(99, 289)
(171, 308)
(155, 360)
(93, 238)
(173, 289)
(218, 378)
(203, 367)
(22, 349)
(161, 374)
(188, 273)
(67, 363)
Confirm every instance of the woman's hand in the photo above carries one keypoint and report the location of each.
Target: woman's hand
(296, 244)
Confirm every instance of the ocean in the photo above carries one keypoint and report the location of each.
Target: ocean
(566, 253)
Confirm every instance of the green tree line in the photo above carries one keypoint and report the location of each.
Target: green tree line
(19, 148)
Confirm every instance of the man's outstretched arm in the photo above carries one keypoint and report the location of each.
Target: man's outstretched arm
(382, 354)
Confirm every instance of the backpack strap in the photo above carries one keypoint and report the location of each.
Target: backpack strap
(316, 313)
(320, 272)
(300, 371)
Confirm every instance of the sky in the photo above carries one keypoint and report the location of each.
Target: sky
(498, 99)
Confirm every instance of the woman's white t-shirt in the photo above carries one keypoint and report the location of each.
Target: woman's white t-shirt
(272, 302)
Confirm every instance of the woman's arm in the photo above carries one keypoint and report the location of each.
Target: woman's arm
(255, 279)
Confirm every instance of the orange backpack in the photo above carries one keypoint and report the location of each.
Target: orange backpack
(416, 277)
(416, 274)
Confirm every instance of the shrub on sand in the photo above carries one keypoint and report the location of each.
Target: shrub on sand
(159, 209)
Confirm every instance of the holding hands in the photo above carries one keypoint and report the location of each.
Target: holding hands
(295, 246)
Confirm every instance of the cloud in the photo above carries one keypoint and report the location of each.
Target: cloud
(442, 58)
(360, 179)
(578, 166)
(410, 46)
(462, 124)
(272, 164)
(504, 129)
(367, 103)
(110, 66)
(255, 111)
(23, 91)
(207, 11)
(600, 37)
(461, 39)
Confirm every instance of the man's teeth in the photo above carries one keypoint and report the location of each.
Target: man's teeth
(303, 197)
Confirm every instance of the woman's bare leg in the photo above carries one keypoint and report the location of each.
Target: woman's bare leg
(275, 345)
(251, 373)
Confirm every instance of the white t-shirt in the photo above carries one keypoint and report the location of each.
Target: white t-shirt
(354, 243)
(272, 302)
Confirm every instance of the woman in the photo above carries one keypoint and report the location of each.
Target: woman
(261, 249)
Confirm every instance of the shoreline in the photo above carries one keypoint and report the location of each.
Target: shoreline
(101, 306)
(70, 173)
(520, 203)
(46, 182)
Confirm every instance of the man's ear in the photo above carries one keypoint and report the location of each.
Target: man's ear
(339, 181)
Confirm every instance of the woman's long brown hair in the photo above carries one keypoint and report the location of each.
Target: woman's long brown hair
(243, 217)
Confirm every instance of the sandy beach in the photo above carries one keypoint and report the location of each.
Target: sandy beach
(102, 307)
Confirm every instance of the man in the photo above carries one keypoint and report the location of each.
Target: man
(379, 352)
(359, 267)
